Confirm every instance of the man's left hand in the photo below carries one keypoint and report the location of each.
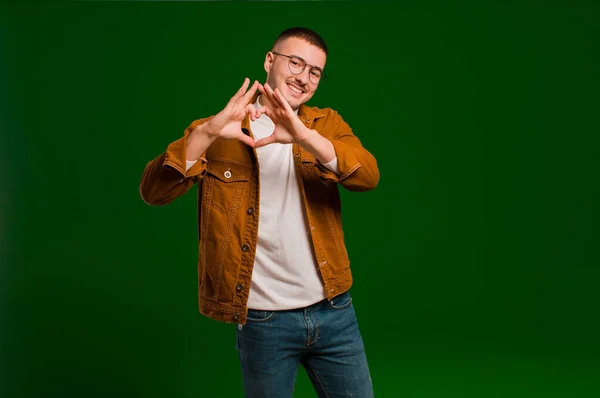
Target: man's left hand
(289, 128)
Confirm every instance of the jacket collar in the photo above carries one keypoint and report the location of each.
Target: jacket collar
(310, 113)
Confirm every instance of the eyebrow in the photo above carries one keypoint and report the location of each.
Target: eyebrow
(297, 56)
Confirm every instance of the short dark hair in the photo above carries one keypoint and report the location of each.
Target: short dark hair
(303, 33)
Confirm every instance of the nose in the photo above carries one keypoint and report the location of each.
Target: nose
(302, 78)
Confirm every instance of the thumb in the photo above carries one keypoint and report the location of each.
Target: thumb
(265, 141)
(246, 139)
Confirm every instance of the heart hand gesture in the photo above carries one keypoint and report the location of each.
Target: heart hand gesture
(288, 127)
(227, 124)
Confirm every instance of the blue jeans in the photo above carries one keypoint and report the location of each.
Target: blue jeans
(323, 337)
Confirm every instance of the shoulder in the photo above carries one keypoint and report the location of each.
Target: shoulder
(328, 114)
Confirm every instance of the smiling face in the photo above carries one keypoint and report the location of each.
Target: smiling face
(296, 88)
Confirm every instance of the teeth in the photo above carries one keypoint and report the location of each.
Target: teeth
(294, 89)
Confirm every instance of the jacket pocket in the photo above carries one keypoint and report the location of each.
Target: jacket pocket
(225, 184)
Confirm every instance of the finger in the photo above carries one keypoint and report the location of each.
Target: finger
(246, 140)
(265, 141)
(250, 92)
(263, 111)
(268, 91)
(251, 110)
(241, 91)
(278, 100)
(264, 91)
(281, 99)
(244, 87)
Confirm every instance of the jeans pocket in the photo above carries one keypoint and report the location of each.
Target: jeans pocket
(341, 301)
(259, 316)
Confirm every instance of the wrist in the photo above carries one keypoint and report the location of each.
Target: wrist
(197, 142)
(306, 137)
(318, 146)
(205, 130)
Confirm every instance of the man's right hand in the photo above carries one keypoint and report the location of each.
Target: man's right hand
(226, 124)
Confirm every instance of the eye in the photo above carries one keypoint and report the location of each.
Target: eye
(295, 62)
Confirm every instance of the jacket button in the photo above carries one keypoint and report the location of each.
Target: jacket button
(236, 317)
(245, 248)
(239, 287)
(250, 210)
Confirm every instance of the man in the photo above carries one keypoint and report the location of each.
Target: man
(272, 257)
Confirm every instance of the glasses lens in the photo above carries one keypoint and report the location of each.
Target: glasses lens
(315, 75)
(297, 65)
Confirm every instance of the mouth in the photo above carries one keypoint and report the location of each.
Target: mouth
(295, 90)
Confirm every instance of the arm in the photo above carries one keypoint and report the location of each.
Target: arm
(171, 174)
(167, 176)
(357, 167)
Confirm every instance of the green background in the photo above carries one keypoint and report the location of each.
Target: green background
(476, 260)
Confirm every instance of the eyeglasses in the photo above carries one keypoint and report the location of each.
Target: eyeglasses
(297, 66)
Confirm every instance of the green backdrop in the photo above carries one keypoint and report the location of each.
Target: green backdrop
(476, 260)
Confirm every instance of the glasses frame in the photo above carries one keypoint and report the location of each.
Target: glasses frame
(290, 57)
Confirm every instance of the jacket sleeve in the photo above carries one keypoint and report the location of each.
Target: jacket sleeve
(165, 177)
(358, 170)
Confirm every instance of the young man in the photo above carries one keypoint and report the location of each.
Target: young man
(272, 257)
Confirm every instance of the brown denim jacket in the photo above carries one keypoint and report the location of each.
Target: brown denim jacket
(228, 198)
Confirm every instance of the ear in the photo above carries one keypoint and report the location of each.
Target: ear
(269, 58)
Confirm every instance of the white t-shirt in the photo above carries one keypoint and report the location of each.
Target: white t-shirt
(285, 274)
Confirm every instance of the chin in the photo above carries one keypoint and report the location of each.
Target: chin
(295, 103)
